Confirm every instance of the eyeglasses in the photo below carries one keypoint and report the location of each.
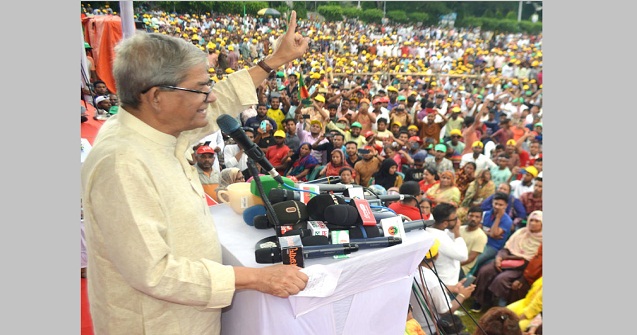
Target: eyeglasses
(170, 87)
(207, 94)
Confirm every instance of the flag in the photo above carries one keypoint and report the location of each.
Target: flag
(304, 95)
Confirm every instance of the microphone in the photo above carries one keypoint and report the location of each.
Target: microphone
(328, 180)
(277, 195)
(273, 254)
(390, 197)
(288, 212)
(417, 224)
(376, 242)
(342, 215)
(232, 128)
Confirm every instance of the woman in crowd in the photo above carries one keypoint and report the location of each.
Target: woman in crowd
(464, 177)
(301, 162)
(336, 163)
(229, 176)
(495, 278)
(445, 191)
(430, 178)
(479, 189)
(387, 176)
(425, 208)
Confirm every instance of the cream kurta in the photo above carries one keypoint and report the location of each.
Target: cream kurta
(155, 259)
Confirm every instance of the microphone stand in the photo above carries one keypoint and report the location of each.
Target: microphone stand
(268, 205)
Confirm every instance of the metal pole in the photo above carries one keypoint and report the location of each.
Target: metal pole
(520, 12)
(128, 20)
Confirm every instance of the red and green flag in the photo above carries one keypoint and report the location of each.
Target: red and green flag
(304, 95)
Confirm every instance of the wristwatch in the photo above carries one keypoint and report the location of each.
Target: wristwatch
(265, 66)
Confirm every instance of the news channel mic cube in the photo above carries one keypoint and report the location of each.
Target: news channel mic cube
(318, 228)
(393, 226)
(291, 250)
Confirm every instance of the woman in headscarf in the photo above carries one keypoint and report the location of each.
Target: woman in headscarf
(228, 176)
(479, 189)
(464, 177)
(494, 280)
(445, 191)
(387, 176)
(302, 162)
(336, 163)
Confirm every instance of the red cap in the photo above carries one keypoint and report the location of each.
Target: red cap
(369, 133)
(204, 149)
(415, 139)
(384, 99)
(375, 101)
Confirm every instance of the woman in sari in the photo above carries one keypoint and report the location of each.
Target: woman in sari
(429, 179)
(302, 162)
(477, 191)
(445, 191)
(464, 177)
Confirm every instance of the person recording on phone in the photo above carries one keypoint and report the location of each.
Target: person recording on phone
(156, 263)
(431, 297)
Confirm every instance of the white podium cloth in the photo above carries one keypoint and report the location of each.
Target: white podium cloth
(371, 297)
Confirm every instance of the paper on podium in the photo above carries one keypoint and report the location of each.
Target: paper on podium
(322, 282)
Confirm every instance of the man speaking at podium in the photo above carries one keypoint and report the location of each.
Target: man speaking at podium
(152, 244)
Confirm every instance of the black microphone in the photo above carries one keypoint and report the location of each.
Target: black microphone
(232, 128)
(273, 254)
(277, 195)
(376, 242)
(417, 224)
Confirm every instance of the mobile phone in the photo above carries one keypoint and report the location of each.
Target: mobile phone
(306, 116)
(469, 281)
(264, 125)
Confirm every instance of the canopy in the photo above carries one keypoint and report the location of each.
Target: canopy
(269, 11)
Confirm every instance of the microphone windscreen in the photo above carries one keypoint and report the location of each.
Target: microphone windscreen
(277, 195)
(370, 231)
(317, 205)
(250, 212)
(290, 212)
(268, 184)
(342, 215)
(315, 240)
(268, 255)
(262, 222)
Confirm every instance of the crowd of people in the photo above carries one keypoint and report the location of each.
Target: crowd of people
(451, 116)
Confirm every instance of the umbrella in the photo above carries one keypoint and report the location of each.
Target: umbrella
(269, 11)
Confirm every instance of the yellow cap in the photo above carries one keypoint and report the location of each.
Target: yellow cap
(433, 250)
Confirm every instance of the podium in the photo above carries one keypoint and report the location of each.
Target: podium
(371, 296)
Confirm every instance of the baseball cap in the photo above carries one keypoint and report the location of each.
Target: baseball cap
(319, 98)
(413, 126)
(455, 132)
(477, 144)
(440, 147)
(433, 250)
(279, 133)
(391, 89)
(384, 99)
(356, 124)
(397, 123)
(415, 139)
(456, 109)
(369, 133)
(317, 122)
(342, 119)
(204, 149)
(376, 101)
(100, 99)
(410, 187)
(532, 170)
(511, 142)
